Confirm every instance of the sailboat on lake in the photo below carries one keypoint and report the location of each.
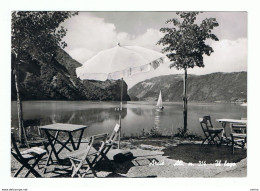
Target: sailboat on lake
(159, 102)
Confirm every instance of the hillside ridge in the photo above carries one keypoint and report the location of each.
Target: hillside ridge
(224, 87)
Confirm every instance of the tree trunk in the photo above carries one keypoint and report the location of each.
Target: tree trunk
(185, 107)
(121, 107)
(19, 104)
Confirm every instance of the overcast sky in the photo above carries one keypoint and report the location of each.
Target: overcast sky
(90, 32)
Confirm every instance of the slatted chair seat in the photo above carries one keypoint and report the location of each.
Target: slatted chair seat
(238, 135)
(80, 153)
(32, 152)
(239, 140)
(239, 125)
(215, 130)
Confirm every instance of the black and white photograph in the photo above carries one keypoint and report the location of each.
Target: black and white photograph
(136, 94)
(129, 94)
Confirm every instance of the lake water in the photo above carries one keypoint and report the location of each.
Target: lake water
(101, 117)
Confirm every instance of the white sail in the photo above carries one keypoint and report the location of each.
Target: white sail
(159, 102)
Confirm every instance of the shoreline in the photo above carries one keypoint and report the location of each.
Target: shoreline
(134, 101)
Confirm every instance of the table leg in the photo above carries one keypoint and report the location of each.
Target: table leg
(61, 143)
(224, 134)
(80, 137)
(79, 141)
(64, 146)
(224, 128)
(52, 143)
(54, 139)
(71, 140)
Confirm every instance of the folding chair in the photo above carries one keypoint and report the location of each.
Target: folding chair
(109, 143)
(94, 153)
(212, 135)
(24, 157)
(94, 147)
(238, 136)
(33, 135)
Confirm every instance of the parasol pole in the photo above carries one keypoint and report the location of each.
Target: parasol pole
(120, 113)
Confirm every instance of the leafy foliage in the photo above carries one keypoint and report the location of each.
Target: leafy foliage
(185, 41)
(39, 30)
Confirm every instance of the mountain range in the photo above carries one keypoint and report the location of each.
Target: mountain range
(215, 87)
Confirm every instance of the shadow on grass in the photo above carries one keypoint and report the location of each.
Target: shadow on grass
(210, 153)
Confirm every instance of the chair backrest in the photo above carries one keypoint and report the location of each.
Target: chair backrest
(99, 141)
(32, 128)
(15, 147)
(114, 134)
(238, 128)
(205, 123)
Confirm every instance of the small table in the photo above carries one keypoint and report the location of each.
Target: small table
(225, 121)
(61, 127)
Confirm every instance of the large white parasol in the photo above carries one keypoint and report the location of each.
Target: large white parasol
(118, 63)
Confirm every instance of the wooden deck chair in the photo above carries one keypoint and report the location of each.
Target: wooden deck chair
(212, 135)
(238, 136)
(88, 157)
(25, 157)
(100, 155)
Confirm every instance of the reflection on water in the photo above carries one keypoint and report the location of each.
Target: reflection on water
(156, 129)
(157, 119)
(137, 117)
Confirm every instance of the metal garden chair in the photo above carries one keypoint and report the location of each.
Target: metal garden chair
(212, 135)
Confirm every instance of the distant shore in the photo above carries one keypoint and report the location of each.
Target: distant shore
(146, 101)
